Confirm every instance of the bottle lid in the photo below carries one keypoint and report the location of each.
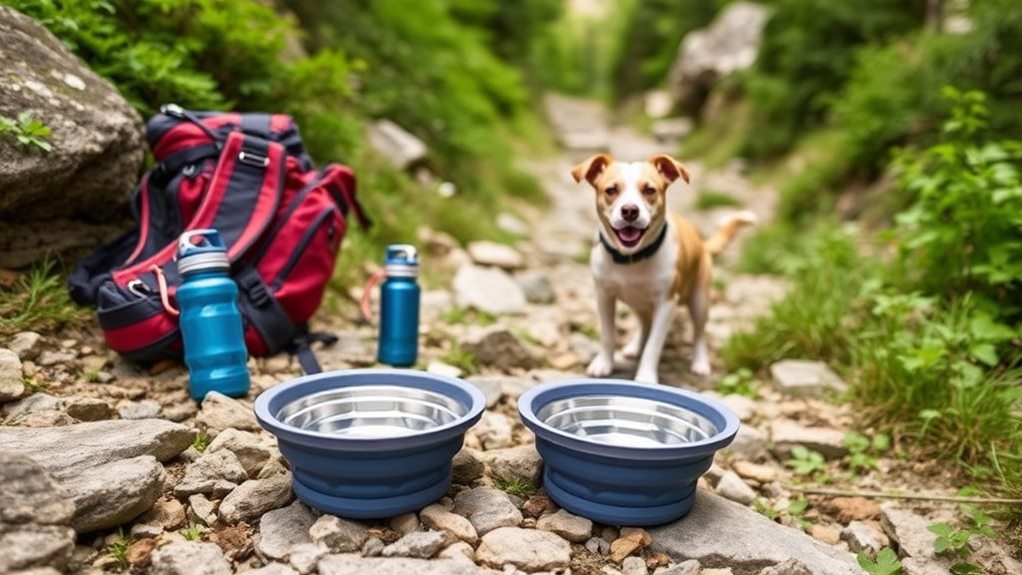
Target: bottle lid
(402, 260)
(201, 250)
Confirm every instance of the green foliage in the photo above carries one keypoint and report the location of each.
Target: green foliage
(742, 382)
(28, 130)
(797, 511)
(118, 550)
(954, 542)
(194, 532)
(516, 486)
(863, 451)
(806, 462)
(765, 509)
(459, 357)
(886, 563)
(201, 441)
(38, 301)
(709, 199)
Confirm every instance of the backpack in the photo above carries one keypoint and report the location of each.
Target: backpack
(282, 221)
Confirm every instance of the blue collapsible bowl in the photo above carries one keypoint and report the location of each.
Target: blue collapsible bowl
(370, 443)
(621, 452)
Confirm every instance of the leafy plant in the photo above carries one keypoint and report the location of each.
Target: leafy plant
(201, 441)
(28, 130)
(118, 550)
(862, 451)
(954, 542)
(886, 563)
(38, 301)
(797, 511)
(741, 382)
(806, 462)
(516, 486)
(765, 509)
(194, 532)
(459, 357)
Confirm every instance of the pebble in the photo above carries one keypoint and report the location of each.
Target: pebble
(439, 518)
(494, 430)
(786, 434)
(281, 529)
(634, 566)
(11, 385)
(166, 514)
(220, 412)
(788, 567)
(512, 224)
(466, 467)
(486, 253)
(405, 523)
(597, 545)
(145, 409)
(537, 287)
(88, 409)
(373, 547)
(418, 544)
(631, 540)
(340, 535)
(255, 497)
(49, 358)
(458, 550)
(732, 487)
(251, 452)
(571, 527)
(754, 471)
(864, 537)
(527, 549)
(487, 509)
(846, 509)
(215, 473)
(273, 569)
(445, 369)
(750, 444)
(690, 567)
(522, 462)
(806, 378)
(826, 533)
(305, 556)
(190, 558)
(490, 290)
(356, 565)
(201, 509)
(25, 344)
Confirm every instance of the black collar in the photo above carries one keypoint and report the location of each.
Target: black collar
(643, 254)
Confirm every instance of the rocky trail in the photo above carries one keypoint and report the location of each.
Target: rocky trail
(106, 467)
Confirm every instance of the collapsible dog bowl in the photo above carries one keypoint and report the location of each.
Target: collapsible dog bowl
(621, 452)
(370, 443)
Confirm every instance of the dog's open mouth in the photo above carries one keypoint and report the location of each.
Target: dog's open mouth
(629, 236)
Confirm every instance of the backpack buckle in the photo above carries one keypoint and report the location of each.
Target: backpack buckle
(253, 285)
(253, 159)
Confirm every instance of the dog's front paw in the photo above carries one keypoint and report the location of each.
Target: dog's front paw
(601, 366)
(701, 367)
(645, 376)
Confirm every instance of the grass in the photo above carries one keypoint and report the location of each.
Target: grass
(38, 301)
(710, 199)
(458, 357)
(118, 550)
(464, 316)
(516, 486)
(201, 441)
(194, 532)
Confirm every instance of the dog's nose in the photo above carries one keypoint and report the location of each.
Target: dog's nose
(630, 212)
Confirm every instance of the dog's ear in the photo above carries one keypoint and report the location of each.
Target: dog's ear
(669, 168)
(590, 169)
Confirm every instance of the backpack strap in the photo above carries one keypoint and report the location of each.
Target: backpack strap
(301, 347)
(92, 271)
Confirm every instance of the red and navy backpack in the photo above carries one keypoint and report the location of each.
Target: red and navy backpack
(282, 220)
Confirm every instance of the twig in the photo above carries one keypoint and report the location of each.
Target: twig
(919, 496)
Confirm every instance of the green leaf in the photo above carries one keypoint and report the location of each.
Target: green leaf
(985, 352)
(941, 529)
(881, 442)
(964, 568)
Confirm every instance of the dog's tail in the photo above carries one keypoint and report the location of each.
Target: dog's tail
(727, 230)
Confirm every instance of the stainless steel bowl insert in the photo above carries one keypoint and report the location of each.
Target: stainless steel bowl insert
(370, 411)
(627, 421)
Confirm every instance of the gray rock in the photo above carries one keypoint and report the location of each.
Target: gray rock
(527, 549)
(31, 545)
(405, 523)
(512, 224)
(490, 290)
(25, 344)
(340, 535)
(273, 569)
(201, 509)
(522, 462)
(352, 564)
(487, 509)
(190, 558)
(281, 529)
(46, 419)
(486, 253)
(863, 537)
(670, 130)
(491, 388)
(165, 515)
(571, 527)
(251, 452)
(806, 378)
(729, 44)
(11, 386)
(634, 566)
(213, 473)
(145, 409)
(749, 444)
(35, 403)
(255, 497)
(786, 434)
(88, 409)
(373, 547)
(497, 347)
(909, 530)
(494, 430)
(458, 550)
(789, 567)
(467, 466)
(690, 567)
(719, 532)
(305, 556)
(597, 545)
(444, 369)
(49, 357)
(439, 518)
(114, 493)
(395, 144)
(732, 487)
(220, 412)
(916, 566)
(419, 544)
(34, 512)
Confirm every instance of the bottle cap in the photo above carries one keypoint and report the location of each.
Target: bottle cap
(201, 250)
(402, 260)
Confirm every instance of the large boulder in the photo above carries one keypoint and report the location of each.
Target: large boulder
(96, 144)
(729, 44)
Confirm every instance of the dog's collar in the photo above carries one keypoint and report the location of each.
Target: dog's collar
(643, 254)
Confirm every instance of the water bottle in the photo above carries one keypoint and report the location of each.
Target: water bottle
(399, 307)
(210, 320)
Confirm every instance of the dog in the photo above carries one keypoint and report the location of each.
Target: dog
(649, 259)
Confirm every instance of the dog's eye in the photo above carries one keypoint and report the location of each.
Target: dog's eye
(610, 190)
(649, 190)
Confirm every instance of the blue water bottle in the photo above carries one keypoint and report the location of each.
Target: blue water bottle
(210, 320)
(399, 307)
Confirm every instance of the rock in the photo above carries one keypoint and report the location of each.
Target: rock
(847, 509)
(373, 547)
(512, 225)
(419, 544)
(220, 412)
(671, 130)
(444, 369)
(405, 523)
(634, 566)
(631, 539)
(490, 290)
(34, 513)
(527, 549)
(25, 344)
(786, 434)
(11, 386)
(395, 144)
(281, 529)
(826, 533)
(215, 473)
(179, 411)
(140, 551)
(730, 43)
(466, 467)
(864, 537)
(340, 535)
(255, 497)
(487, 253)
(201, 509)
(732, 487)
(806, 378)
(494, 430)
(305, 556)
(114, 493)
(915, 566)
(97, 135)
(718, 531)
(788, 567)
(190, 558)
(352, 564)
(490, 386)
(458, 550)
(755, 471)
(749, 444)
(165, 515)
(537, 505)
(439, 518)
(31, 545)
(597, 545)
(88, 409)
(251, 452)
(690, 567)
(35, 403)
(571, 527)
(46, 419)
(49, 358)
(273, 569)
(743, 407)
(910, 531)
(145, 409)
(522, 462)
(487, 509)
(497, 347)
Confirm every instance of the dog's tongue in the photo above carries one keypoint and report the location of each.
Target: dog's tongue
(629, 234)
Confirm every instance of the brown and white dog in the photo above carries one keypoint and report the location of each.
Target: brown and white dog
(649, 259)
